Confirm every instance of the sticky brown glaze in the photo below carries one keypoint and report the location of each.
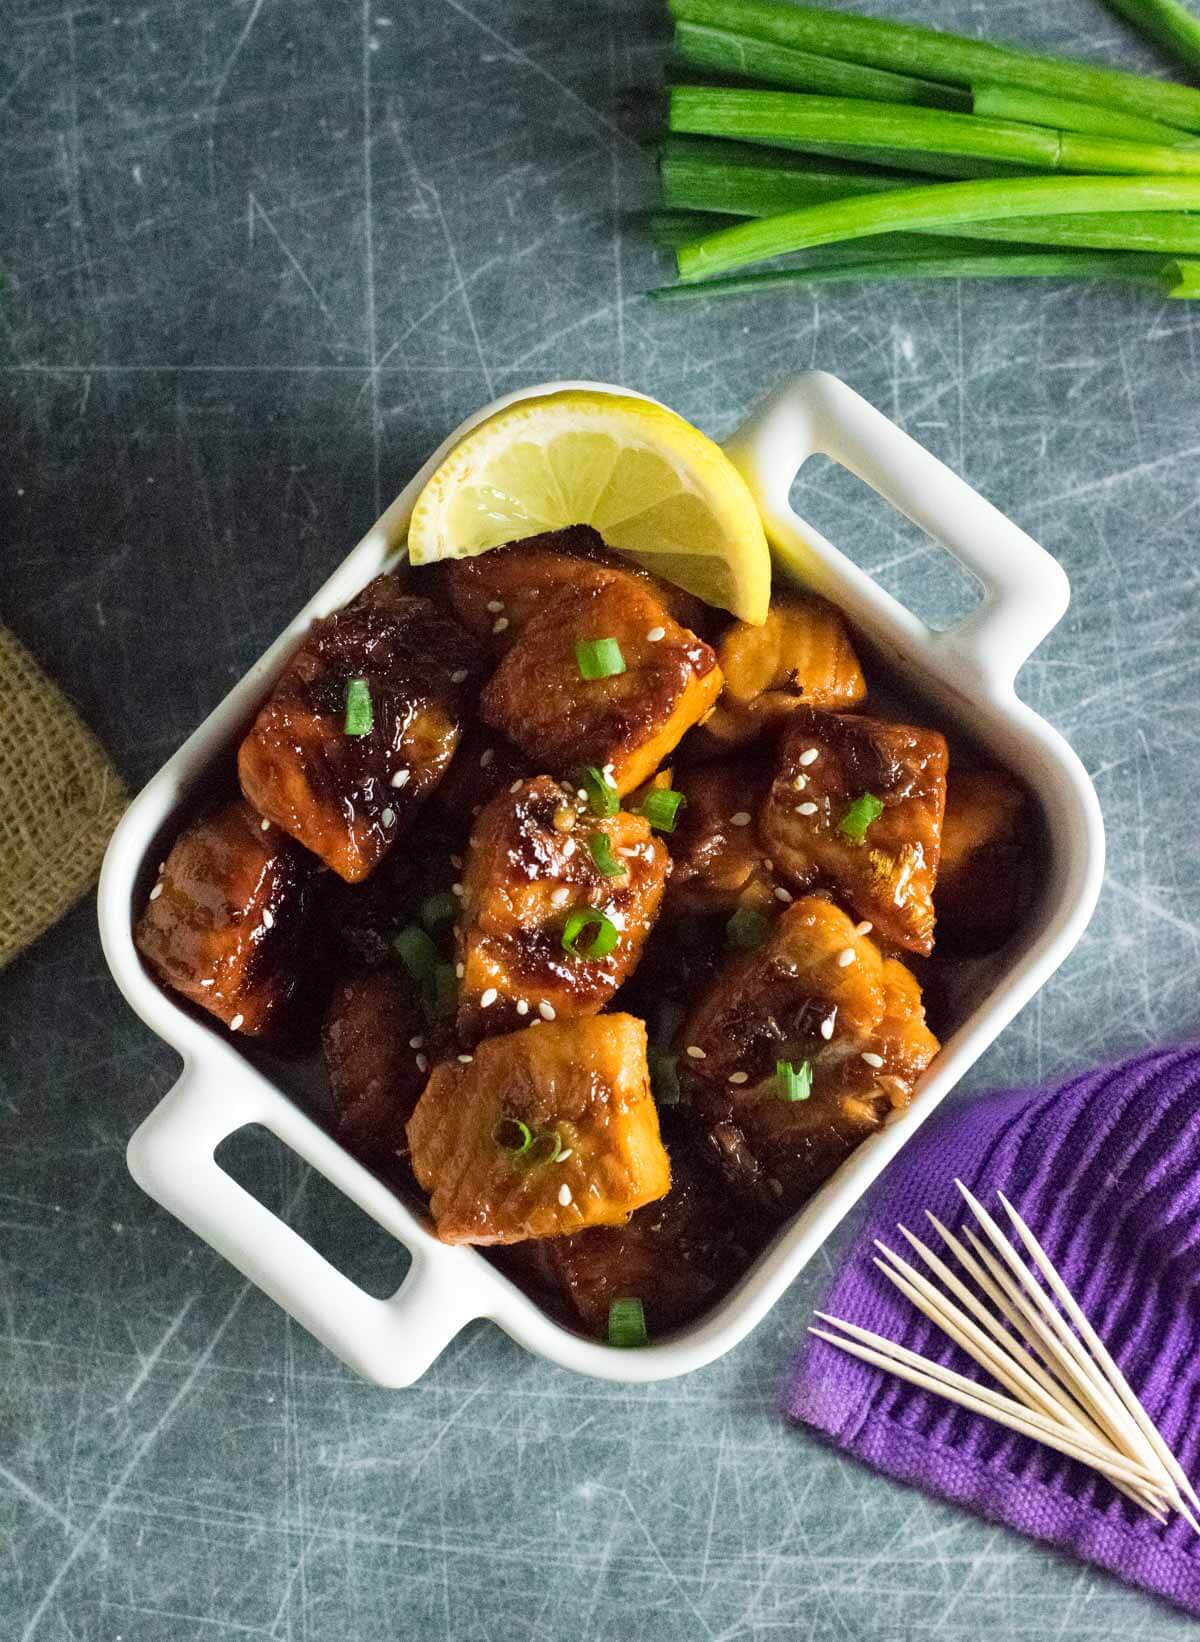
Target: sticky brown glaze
(348, 798)
(528, 868)
(226, 920)
(582, 1082)
(769, 1004)
(801, 656)
(495, 594)
(887, 878)
(718, 860)
(375, 1070)
(484, 765)
(860, 1027)
(630, 722)
(987, 838)
(676, 1255)
(357, 921)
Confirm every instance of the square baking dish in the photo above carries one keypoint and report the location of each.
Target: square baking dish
(966, 673)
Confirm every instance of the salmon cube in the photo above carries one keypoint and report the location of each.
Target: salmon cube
(718, 862)
(496, 593)
(773, 1002)
(226, 919)
(801, 656)
(628, 722)
(855, 1034)
(836, 771)
(541, 1133)
(676, 1255)
(374, 1039)
(347, 796)
(987, 840)
(532, 863)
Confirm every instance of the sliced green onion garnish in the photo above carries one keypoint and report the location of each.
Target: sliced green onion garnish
(747, 929)
(602, 796)
(860, 815)
(513, 1136)
(544, 1148)
(627, 1323)
(416, 952)
(359, 716)
(601, 850)
(439, 909)
(599, 658)
(443, 999)
(664, 1076)
(660, 807)
(793, 1082)
(597, 945)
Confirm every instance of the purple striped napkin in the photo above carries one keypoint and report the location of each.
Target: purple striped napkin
(1105, 1168)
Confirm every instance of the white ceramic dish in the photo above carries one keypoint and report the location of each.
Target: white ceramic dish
(967, 672)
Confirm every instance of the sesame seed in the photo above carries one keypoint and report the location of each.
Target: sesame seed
(459, 970)
(422, 1063)
(388, 817)
(864, 928)
(695, 1052)
(560, 897)
(846, 957)
(871, 1059)
(768, 864)
(488, 998)
(740, 818)
(416, 1043)
(564, 1195)
(465, 1060)
(522, 1006)
(486, 757)
(532, 1024)
(809, 756)
(162, 866)
(236, 1022)
(268, 918)
(799, 782)
(563, 1156)
(546, 1010)
(495, 606)
(517, 785)
(401, 778)
(806, 809)
(209, 982)
(782, 894)
(568, 849)
(656, 633)
(156, 892)
(609, 771)
(459, 676)
(457, 889)
(500, 624)
(776, 1187)
(266, 826)
(827, 1026)
(456, 860)
(739, 1077)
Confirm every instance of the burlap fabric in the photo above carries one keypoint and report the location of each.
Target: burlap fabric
(60, 799)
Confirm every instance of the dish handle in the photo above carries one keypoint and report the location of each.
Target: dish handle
(392, 1341)
(1025, 591)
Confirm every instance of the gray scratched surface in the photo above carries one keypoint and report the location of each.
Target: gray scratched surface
(259, 257)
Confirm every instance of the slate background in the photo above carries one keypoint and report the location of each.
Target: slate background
(259, 258)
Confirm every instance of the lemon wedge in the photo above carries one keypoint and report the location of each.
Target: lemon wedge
(655, 487)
